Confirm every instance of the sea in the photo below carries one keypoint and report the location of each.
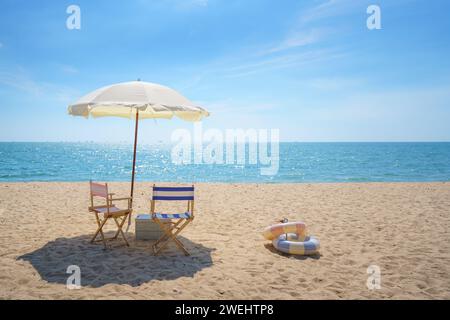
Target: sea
(293, 162)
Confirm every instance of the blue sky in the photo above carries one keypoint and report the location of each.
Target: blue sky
(310, 68)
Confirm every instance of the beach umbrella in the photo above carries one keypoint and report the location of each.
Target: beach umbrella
(137, 100)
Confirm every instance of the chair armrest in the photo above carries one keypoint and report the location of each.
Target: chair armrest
(118, 199)
(92, 208)
(122, 199)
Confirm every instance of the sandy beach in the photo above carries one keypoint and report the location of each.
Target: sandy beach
(401, 227)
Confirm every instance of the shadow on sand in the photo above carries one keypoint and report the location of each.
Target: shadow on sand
(132, 265)
(271, 248)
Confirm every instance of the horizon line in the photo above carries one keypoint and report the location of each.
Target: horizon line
(296, 141)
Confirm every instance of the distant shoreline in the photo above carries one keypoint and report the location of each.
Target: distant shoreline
(112, 182)
(159, 143)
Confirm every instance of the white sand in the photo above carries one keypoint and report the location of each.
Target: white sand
(404, 228)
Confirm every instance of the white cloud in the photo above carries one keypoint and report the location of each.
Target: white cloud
(295, 48)
(188, 5)
(282, 62)
(69, 69)
(231, 106)
(327, 9)
(202, 3)
(20, 80)
(335, 83)
(385, 115)
(179, 4)
(298, 38)
(302, 32)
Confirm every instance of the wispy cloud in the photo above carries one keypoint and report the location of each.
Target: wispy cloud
(231, 106)
(247, 64)
(298, 38)
(283, 61)
(179, 4)
(20, 79)
(303, 31)
(300, 45)
(187, 4)
(1, 45)
(335, 83)
(68, 69)
(327, 9)
(378, 115)
(201, 3)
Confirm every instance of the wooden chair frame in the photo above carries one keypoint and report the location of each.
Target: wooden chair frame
(173, 228)
(118, 215)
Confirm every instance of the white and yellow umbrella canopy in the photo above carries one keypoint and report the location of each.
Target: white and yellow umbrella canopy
(124, 99)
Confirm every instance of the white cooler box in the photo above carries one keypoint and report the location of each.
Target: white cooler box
(146, 229)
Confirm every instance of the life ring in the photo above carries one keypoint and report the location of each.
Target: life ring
(273, 232)
(295, 244)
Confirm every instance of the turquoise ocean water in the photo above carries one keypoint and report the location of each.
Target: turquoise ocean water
(298, 162)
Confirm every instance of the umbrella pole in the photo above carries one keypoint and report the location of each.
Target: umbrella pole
(134, 155)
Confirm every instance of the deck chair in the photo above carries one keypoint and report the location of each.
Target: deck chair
(107, 210)
(178, 221)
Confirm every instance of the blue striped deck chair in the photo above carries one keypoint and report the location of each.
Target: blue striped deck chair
(178, 221)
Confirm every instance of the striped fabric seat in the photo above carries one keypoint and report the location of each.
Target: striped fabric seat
(178, 220)
(173, 193)
(185, 215)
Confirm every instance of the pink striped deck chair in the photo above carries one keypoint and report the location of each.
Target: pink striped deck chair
(107, 210)
(178, 221)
